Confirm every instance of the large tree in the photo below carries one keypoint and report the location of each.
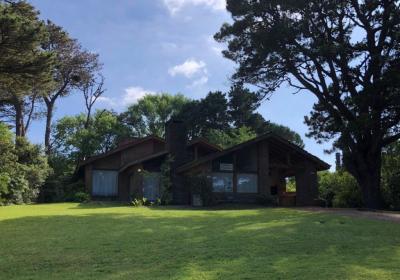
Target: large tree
(149, 115)
(74, 69)
(22, 60)
(25, 67)
(243, 104)
(346, 53)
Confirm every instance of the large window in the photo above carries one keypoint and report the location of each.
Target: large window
(222, 182)
(247, 183)
(105, 183)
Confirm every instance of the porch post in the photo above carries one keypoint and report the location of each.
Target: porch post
(264, 183)
(306, 184)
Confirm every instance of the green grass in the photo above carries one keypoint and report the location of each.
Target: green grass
(72, 241)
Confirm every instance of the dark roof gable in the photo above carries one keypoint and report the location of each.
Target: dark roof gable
(322, 165)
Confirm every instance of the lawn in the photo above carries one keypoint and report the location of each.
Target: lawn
(72, 241)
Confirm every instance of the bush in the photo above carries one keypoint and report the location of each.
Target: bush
(339, 189)
(391, 176)
(201, 185)
(138, 202)
(81, 197)
(391, 191)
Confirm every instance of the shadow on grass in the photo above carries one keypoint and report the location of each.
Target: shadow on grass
(156, 244)
(223, 206)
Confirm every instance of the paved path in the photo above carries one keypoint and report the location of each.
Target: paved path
(375, 215)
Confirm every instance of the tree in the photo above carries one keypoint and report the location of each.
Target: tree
(149, 115)
(75, 141)
(242, 108)
(346, 53)
(391, 176)
(231, 137)
(242, 105)
(22, 59)
(25, 67)
(92, 90)
(210, 112)
(23, 168)
(7, 160)
(74, 69)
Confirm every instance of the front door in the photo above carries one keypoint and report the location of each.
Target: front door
(151, 186)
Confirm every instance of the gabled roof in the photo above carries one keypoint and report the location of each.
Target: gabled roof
(268, 136)
(123, 147)
(143, 159)
(203, 142)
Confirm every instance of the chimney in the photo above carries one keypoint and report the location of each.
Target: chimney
(175, 137)
(176, 140)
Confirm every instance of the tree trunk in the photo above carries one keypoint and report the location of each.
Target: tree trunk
(49, 118)
(19, 119)
(366, 168)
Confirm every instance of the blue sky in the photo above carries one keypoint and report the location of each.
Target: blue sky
(161, 46)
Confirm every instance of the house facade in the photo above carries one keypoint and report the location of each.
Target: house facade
(243, 173)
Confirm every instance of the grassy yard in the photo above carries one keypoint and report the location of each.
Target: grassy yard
(72, 241)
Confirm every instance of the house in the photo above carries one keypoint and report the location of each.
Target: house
(242, 173)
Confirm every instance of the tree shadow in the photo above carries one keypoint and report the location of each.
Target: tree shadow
(152, 243)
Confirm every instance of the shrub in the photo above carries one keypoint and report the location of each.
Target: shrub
(81, 197)
(391, 176)
(391, 191)
(339, 189)
(201, 185)
(138, 202)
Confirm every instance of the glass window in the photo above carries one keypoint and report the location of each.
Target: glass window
(222, 182)
(247, 183)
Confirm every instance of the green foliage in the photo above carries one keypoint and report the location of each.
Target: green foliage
(291, 184)
(138, 202)
(332, 50)
(23, 61)
(149, 115)
(76, 142)
(81, 197)
(231, 137)
(23, 169)
(165, 181)
(391, 176)
(201, 185)
(339, 189)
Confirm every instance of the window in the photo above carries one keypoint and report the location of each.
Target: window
(274, 190)
(247, 183)
(222, 182)
(105, 183)
(151, 185)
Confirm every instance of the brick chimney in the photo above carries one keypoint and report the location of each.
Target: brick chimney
(176, 140)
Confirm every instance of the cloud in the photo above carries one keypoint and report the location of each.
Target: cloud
(107, 101)
(174, 6)
(189, 68)
(199, 82)
(130, 96)
(133, 94)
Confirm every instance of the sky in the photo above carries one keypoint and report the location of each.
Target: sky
(152, 46)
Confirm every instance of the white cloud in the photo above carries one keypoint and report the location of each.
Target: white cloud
(107, 101)
(199, 82)
(174, 6)
(130, 96)
(133, 94)
(189, 68)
